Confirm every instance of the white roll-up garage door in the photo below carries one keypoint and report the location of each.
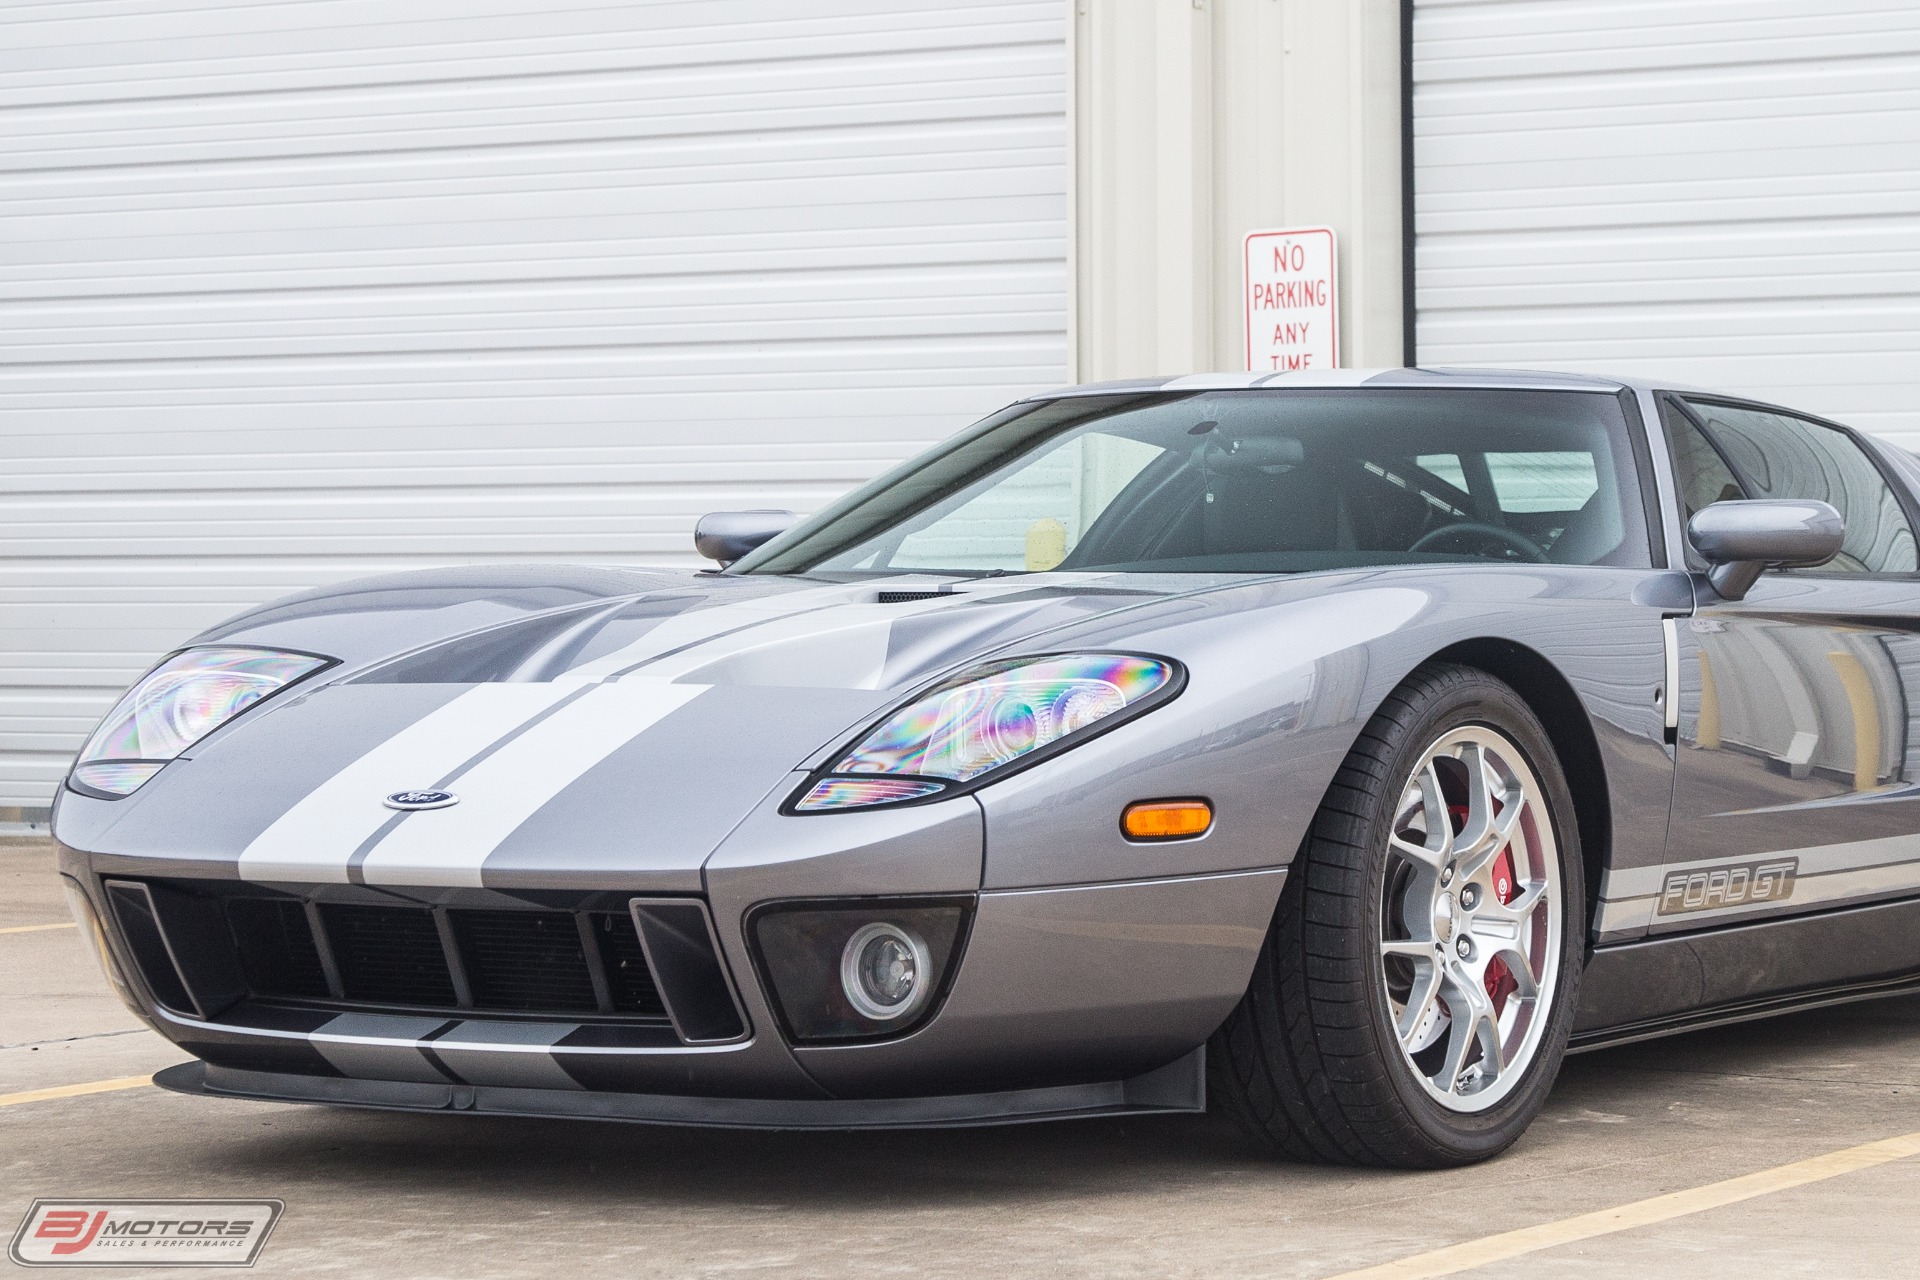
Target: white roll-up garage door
(1725, 192)
(297, 292)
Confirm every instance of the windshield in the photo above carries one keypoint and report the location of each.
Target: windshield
(1247, 482)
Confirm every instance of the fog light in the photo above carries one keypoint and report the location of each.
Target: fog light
(884, 971)
(859, 968)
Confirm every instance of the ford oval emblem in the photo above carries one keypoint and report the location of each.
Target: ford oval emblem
(410, 800)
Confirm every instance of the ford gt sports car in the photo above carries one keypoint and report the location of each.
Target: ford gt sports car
(1336, 749)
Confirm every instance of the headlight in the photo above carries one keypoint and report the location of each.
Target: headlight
(1005, 713)
(175, 705)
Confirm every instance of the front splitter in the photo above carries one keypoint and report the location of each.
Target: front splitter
(1178, 1087)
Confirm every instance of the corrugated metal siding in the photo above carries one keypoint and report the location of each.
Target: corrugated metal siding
(296, 292)
(1725, 192)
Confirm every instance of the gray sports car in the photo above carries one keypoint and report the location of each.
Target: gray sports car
(1337, 749)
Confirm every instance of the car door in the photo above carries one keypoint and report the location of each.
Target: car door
(1796, 756)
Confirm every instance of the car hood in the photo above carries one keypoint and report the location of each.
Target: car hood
(589, 722)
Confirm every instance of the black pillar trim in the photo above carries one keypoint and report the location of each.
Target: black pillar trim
(1409, 312)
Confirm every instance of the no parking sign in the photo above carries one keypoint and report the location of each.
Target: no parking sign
(1292, 300)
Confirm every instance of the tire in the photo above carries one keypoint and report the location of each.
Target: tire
(1327, 1058)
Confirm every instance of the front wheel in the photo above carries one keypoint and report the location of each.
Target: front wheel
(1413, 1000)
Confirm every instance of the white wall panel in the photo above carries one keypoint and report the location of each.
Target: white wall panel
(1723, 192)
(296, 292)
(1199, 122)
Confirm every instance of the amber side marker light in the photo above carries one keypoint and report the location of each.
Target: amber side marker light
(1166, 819)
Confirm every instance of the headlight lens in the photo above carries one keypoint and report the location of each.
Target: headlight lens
(175, 705)
(988, 718)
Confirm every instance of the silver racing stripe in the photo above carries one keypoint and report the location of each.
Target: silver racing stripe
(379, 1046)
(700, 625)
(1321, 378)
(1821, 876)
(315, 839)
(1852, 855)
(447, 847)
(484, 1052)
(1212, 381)
(513, 1055)
(842, 647)
(431, 1050)
(833, 638)
(506, 749)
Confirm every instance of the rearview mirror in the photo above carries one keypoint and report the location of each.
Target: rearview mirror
(727, 535)
(1740, 540)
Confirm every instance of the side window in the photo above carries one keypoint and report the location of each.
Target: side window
(1698, 470)
(1777, 456)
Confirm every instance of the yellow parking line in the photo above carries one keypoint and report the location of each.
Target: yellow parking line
(73, 1090)
(1641, 1213)
(37, 928)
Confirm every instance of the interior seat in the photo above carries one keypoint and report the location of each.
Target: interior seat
(1592, 533)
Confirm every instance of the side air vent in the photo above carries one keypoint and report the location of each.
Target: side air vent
(139, 923)
(681, 949)
(179, 942)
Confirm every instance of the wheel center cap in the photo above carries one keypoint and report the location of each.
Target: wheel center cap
(1443, 918)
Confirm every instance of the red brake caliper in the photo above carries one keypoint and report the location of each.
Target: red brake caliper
(1500, 982)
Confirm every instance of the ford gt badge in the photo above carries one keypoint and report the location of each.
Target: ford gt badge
(410, 800)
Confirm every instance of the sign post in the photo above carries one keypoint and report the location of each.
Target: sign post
(1292, 300)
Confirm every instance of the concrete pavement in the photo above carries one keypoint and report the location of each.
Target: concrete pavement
(370, 1194)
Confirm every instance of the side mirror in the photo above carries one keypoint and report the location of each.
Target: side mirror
(727, 535)
(1740, 540)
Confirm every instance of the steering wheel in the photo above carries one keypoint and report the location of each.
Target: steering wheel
(1475, 538)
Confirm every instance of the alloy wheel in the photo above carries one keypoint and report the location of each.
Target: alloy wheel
(1471, 919)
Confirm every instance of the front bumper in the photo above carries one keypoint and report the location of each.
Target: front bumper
(1068, 1000)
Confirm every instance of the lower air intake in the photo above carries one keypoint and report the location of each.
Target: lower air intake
(389, 955)
(277, 951)
(582, 964)
(525, 960)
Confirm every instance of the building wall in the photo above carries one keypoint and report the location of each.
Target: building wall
(1723, 192)
(300, 292)
(1197, 121)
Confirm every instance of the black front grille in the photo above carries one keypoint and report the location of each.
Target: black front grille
(524, 960)
(583, 964)
(389, 955)
(277, 950)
